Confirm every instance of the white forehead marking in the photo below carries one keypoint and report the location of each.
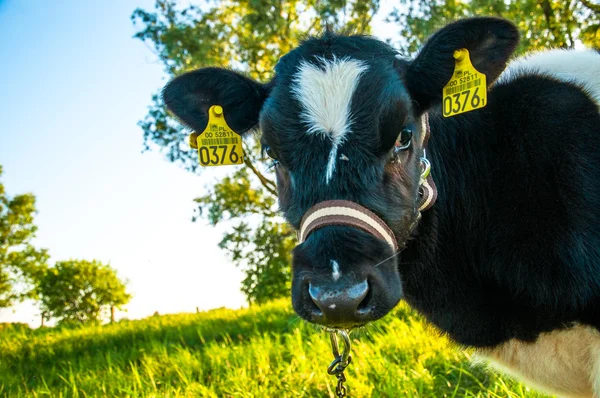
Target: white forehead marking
(325, 93)
(336, 270)
(580, 67)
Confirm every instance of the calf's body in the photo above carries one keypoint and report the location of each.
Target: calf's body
(508, 258)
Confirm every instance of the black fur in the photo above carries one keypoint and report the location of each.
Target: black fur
(512, 246)
(191, 95)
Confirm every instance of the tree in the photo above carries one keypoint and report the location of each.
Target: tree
(20, 262)
(80, 291)
(250, 35)
(542, 23)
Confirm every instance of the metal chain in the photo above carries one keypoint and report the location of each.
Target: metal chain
(340, 361)
(340, 389)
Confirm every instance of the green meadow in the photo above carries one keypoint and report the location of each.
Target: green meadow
(263, 351)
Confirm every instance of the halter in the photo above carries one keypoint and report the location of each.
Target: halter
(351, 214)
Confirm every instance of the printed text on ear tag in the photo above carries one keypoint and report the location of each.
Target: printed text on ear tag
(218, 144)
(466, 90)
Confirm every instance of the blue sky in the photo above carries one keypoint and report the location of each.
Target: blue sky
(74, 85)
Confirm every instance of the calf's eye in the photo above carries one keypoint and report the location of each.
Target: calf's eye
(270, 153)
(404, 139)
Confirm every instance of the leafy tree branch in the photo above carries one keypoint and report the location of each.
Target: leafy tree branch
(21, 263)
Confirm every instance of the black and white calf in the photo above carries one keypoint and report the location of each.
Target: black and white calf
(508, 258)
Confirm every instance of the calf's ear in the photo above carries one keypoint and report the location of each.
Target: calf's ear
(191, 95)
(490, 42)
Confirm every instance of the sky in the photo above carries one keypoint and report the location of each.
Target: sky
(74, 83)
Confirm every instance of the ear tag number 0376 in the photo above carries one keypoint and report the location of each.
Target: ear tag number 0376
(467, 89)
(218, 144)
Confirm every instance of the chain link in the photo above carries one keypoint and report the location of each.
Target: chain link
(340, 361)
(340, 389)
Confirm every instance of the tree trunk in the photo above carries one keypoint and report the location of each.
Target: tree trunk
(112, 314)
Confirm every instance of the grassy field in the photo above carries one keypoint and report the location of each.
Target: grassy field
(258, 352)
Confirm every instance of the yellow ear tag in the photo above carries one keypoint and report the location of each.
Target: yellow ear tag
(467, 89)
(218, 144)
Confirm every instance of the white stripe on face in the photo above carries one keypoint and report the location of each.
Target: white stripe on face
(325, 93)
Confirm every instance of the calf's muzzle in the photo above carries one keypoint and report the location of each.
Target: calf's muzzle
(362, 292)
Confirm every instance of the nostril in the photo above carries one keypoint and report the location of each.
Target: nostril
(365, 305)
(313, 292)
(358, 294)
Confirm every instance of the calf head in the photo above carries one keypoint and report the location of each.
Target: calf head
(343, 120)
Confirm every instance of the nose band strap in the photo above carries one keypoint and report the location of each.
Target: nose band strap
(350, 214)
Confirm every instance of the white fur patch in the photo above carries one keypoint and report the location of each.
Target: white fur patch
(573, 66)
(565, 362)
(336, 274)
(595, 351)
(325, 92)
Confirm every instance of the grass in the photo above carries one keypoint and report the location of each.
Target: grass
(257, 352)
